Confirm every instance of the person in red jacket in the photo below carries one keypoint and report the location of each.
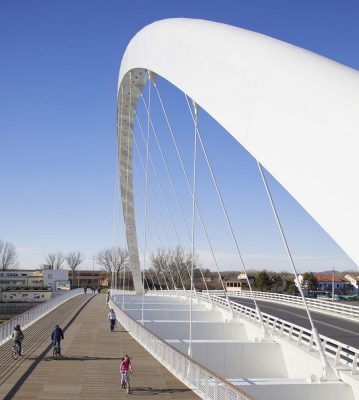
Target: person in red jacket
(125, 367)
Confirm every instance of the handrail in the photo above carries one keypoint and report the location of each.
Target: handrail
(323, 306)
(344, 355)
(29, 317)
(206, 384)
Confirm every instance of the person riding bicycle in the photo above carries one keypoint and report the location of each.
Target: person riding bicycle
(56, 336)
(18, 337)
(125, 366)
(112, 319)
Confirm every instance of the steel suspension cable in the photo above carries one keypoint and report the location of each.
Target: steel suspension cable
(127, 171)
(329, 373)
(153, 194)
(149, 211)
(119, 173)
(116, 240)
(189, 185)
(259, 313)
(193, 223)
(172, 186)
(158, 208)
(119, 128)
(184, 171)
(146, 185)
(167, 207)
(148, 231)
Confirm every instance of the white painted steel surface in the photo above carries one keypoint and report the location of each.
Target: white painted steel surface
(290, 367)
(202, 381)
(29, 317)
(282, 103)
(344, 355)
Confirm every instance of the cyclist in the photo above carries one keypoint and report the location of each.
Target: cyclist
(18, 337)
(125, 366)
(112, 319)
(56, 336)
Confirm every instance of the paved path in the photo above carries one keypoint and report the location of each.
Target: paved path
(344, 331)
(90, 365)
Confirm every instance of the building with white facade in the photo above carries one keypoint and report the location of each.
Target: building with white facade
(32, 286)
(56, 280)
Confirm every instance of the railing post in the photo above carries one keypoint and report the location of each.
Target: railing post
(183, 365)
(290, 333)
(216, 389)
(355, 365)
(310, 344)
(300, 337)
(206, 388)
(337, 356)
(198, 378)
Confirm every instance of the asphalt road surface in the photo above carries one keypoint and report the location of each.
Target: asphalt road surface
(342, 330)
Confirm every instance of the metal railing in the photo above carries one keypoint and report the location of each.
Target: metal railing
(29, 317)
(345, 356)
(203, 382)
(345, 311)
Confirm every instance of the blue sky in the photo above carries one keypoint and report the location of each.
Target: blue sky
(59, 63)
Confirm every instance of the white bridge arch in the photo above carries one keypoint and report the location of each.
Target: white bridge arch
(296, 112)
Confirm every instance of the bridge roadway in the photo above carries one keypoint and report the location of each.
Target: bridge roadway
(89, 368)
(339, 329)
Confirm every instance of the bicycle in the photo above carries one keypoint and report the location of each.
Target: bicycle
(126, 381)
(15, 351)
(56, 352)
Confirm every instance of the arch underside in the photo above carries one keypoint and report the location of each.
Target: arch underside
(295, 111)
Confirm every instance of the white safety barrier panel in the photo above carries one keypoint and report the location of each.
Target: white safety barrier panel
(345, 356)
(29, 317)
(203, 382)
(323, 306)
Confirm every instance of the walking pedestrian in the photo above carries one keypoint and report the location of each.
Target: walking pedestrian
(112, 319)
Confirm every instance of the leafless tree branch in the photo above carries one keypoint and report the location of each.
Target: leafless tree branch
(55, 260)
(112, 259)
(74, 259)
(8, 255)
(172, 265)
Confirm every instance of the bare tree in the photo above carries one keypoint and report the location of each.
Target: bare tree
(55, 260)
(161, 261)
(8, 255)
(173, 265)
(73, 260)
(113, 260)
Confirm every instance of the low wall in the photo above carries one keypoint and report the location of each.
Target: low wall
(200, 330)
(179, 315)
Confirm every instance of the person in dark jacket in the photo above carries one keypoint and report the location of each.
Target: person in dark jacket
(18, 337)
(57, 335)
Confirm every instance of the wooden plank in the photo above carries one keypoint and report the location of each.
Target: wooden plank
(89, 368)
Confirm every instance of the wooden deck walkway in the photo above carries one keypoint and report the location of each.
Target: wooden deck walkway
(89, 368)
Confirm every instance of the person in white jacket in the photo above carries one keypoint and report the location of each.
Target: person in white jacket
(112, 319)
